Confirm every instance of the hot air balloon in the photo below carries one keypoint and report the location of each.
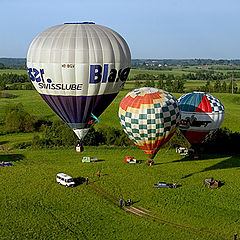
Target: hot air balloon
(78, 69)
(149, 117)
(201, 115)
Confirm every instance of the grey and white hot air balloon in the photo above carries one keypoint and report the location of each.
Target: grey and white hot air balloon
(78, 69)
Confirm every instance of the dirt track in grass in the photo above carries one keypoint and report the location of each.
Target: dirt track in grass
(145, 213)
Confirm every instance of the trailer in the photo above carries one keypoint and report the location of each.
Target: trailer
(130, 160)
(89, 159)
(182, 151)
(211, 183)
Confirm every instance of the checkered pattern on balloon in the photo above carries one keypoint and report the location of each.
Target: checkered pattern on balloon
(149, 117)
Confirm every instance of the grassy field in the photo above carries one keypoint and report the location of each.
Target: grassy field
(34, 206)
(14, 71)
(176, 71)
(189, 85)
(34, 104)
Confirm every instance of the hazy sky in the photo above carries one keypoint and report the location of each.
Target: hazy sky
(152, 28)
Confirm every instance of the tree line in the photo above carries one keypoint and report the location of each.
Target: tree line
(208, 75)
(219, 87)
(215, 82)
(168, 85)
(173, 83)
(12, 81)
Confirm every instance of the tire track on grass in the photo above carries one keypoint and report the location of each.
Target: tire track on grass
(114, 200)
(141, 212)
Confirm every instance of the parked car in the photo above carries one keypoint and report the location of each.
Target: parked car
(65, 180)
(165, 185)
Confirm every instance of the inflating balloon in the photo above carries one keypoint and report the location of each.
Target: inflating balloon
(201, 115)
(149, 117)
(78, 69)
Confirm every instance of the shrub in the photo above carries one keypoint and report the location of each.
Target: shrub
(22, 145)
(224, 141)
(17, 119)
(177, 140)
(7, 95)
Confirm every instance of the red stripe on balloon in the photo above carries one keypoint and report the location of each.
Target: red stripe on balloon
(204, 106)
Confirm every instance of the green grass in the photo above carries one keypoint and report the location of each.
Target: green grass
(34, 104)
(34, 206)
(231, 104)
(30, 99)
(14, 71)
(175, 71)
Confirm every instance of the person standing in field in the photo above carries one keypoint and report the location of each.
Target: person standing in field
(120, 202)
(86, 180)
(98, 173)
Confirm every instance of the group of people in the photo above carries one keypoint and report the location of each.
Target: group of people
(126, 203)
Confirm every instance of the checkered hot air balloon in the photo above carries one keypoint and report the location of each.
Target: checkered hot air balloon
(149, 117)
(201, 115)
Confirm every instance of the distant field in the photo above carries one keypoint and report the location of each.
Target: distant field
(14, 71)
(175, 71)
(189, 85)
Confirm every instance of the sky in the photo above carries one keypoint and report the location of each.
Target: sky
(156, 29)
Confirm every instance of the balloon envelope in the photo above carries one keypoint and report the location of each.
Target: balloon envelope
(149, 117)
(78, 69)
(201, 115)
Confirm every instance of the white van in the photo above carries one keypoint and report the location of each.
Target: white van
(65, 180)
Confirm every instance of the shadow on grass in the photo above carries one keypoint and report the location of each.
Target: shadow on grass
(104, 174)
(155, 164)
(11, 157)
(79, 180)
(3, 142)
(231, 162)
(221, 183)
(202, 157)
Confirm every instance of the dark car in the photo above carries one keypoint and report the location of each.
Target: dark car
(164, 185)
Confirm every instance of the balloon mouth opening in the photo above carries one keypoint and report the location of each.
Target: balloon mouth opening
(80, 23)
